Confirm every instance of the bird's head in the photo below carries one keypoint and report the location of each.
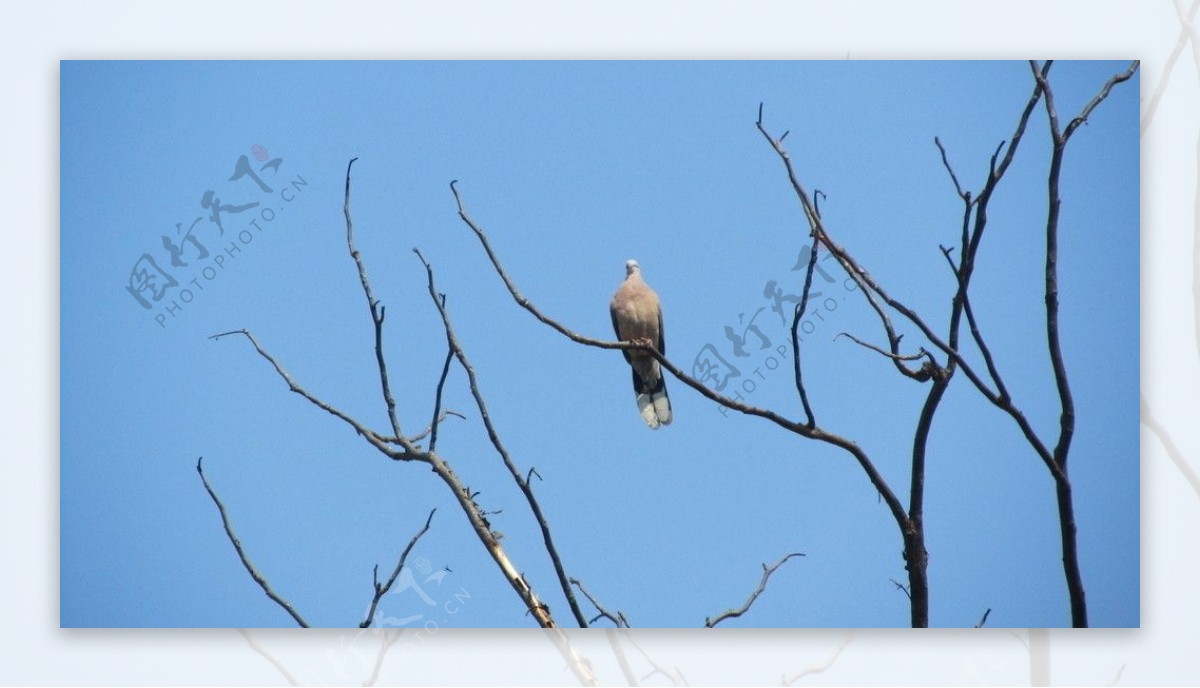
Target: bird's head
(631, 266)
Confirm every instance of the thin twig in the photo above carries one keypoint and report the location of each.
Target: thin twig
(819, 233)
(762, 585)
(446, 413)
(953, 177)
(921, 352)
(377, 311)
(618, 619)
(901, 587)
(410, 452)
(522, 482)
(381, 590)
(437, 397)
(237, 545)
(1082, 117)
(796, 316)
(984, 618)
(977, 335)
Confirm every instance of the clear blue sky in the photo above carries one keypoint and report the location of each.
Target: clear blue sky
(573, 168)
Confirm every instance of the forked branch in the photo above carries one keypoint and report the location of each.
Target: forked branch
(522, 481)
(382, 589)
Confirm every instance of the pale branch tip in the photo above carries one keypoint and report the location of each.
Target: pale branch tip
(762, 586)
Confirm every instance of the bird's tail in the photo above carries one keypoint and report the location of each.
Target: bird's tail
(653, 403)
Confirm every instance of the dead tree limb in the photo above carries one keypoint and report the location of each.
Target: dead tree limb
(241, 552)
(522, 481)
(408, 451)
(762, 586)
(382, 589)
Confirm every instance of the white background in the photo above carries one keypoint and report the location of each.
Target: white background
(34, 37)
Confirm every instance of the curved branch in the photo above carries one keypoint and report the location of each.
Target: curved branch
(762, 585)
(410, 452)
(429, 429)
(618, 619)
(237, 545)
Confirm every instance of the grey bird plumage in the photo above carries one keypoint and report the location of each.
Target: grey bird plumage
(637, 315)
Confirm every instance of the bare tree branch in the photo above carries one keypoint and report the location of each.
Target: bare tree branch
(977, 335)
(921, 352)
(762, 585)
(462, 494)
(818, 232)
(901, 587)
(1067, 416)
(1082, 117)
(377, 310)
(381, 590)
(797, 315)
(618, 619)
(237, 545)
(522, 482)
(953, 177)
(426, 432)
(410, 452)
(437, 397)
(984, 618)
